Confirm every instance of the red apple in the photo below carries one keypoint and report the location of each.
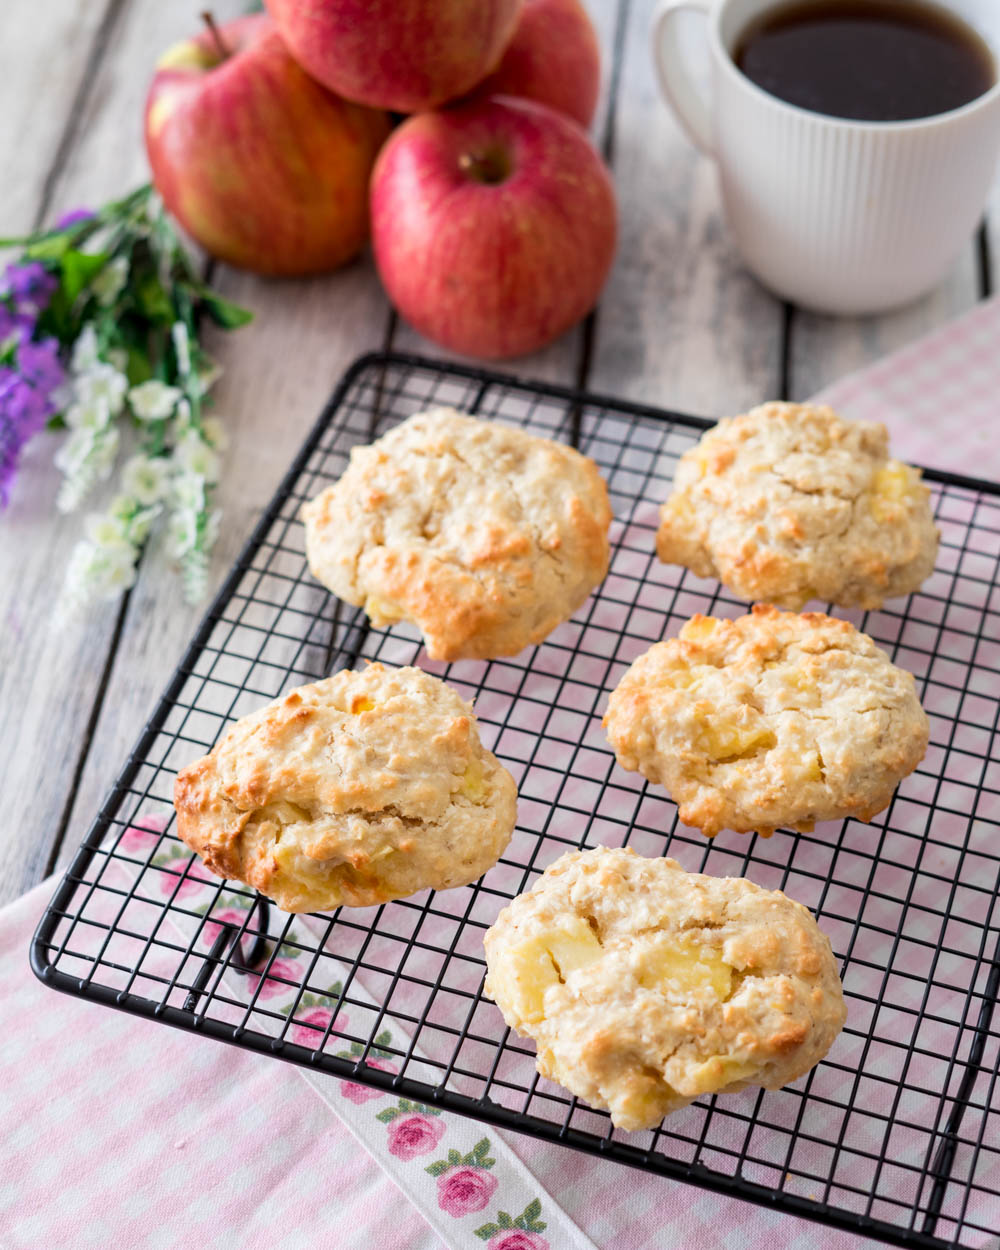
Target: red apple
(405, 55)
(259, 163)
(493, 225)
(554, 58)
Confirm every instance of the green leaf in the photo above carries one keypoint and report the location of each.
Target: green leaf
(536, 1226)
(487, 1231)
(533, 1210)
(45, 247)
(153, 300)
(454, 1158)
(223, 311)
(388, 1114)
(58, 422)
(481, 1147)
(437, 1168)
(138, 369)
(79, 270)
(504, 1220)
(384, 1038)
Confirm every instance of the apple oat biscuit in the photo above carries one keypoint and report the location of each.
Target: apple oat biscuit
(362, 788)
(790, 503)
(484, 537)
(772, 719)
(645, 986)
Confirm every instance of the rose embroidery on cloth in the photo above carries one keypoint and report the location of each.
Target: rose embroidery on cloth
(212, 928)
(312, 1029)
(413, 1128)
(464, 1181)
(517, 1241)
(193, 875)
(464, 1190)
(269, 987)
(377, 1057)
(354, 1092)
(518, 1232)
(140, 838)
(313, 1014)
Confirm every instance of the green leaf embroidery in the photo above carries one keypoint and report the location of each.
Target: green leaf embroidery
(504, 1220)
(454, 1158)
(487, 1231)
(388, 1114)
(532, 1211)
(435, 1169)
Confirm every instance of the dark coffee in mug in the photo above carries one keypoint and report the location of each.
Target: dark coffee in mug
(866, 60)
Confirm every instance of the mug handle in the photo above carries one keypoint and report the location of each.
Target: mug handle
(678, 86)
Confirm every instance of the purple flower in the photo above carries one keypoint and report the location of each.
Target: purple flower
(20, 404)
(462, 1190)
(30, 284)
(73, 218)
(39, 365)
(19, 325)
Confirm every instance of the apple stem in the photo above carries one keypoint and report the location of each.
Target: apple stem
(220, 44)
(491, 166)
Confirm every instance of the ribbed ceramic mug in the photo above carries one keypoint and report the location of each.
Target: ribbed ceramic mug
(835, 215)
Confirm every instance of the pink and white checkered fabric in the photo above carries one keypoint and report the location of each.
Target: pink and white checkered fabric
(115, 1137)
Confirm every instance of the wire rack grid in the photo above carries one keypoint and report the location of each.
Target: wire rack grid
(894, 1135)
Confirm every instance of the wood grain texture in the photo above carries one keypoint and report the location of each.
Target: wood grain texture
(824, 349)
(49, 47)
(681, 323)
(52, 671)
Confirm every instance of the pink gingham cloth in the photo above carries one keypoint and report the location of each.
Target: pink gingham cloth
(121, 1133)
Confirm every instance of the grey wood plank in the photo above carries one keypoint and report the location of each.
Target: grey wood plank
(681, 322)
(49, 48)
(824, 349)
(51, 671)
(561, 361)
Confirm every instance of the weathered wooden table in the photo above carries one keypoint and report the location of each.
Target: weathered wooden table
(681, 324)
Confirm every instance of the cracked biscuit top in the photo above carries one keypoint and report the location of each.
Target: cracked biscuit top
(769, 720)
(362, 788)
(790, 503)
(645, 986)
(486, 538)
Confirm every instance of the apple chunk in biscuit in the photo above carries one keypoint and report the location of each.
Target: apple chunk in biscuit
(645, 986)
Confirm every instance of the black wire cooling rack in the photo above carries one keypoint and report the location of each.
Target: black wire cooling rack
(896, 1134)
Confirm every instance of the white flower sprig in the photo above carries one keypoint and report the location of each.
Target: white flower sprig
(124, 312)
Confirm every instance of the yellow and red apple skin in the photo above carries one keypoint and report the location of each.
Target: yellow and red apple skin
(403, 55)
(554, 58)
(492, 270)
(265, 168)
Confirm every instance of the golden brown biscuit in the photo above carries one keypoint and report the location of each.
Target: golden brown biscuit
(362, 788)
(484, 537)
(769, 720)
(790, 503)
(645, 986)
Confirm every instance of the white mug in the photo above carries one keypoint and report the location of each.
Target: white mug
(837, 216)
